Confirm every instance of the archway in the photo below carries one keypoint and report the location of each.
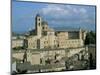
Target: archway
(76, 56)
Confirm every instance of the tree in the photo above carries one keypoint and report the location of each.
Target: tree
(90, 38)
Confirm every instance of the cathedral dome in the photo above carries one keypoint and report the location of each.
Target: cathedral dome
(44, 23)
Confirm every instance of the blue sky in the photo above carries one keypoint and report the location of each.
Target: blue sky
(57, 15)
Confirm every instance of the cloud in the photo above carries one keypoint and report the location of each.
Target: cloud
(65, 14)
(83, 13)
(79, 10)
(58, 11)
(54, 10)
(83, 10)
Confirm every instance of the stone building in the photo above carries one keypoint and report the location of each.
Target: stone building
(19, 42)
(46, 37)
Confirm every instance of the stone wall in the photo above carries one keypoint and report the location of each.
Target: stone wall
(40, 56)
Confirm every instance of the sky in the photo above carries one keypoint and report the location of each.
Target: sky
(57, 15)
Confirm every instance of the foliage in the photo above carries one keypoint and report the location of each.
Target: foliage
(32, 32)
(90, 38)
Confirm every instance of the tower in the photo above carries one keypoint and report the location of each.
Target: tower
(38, 26)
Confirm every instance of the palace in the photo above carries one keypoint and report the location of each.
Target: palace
(45, 37)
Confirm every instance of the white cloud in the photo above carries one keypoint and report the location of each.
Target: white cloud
(58, 11)
(55, 10)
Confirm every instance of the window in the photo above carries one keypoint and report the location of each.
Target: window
(43, 27)
(39, 24)
(44, 42)
(39, 19)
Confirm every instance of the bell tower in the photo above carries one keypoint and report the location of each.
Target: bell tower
(38, 26)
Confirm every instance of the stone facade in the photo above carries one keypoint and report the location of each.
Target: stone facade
(17, 43)
(47, 37)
